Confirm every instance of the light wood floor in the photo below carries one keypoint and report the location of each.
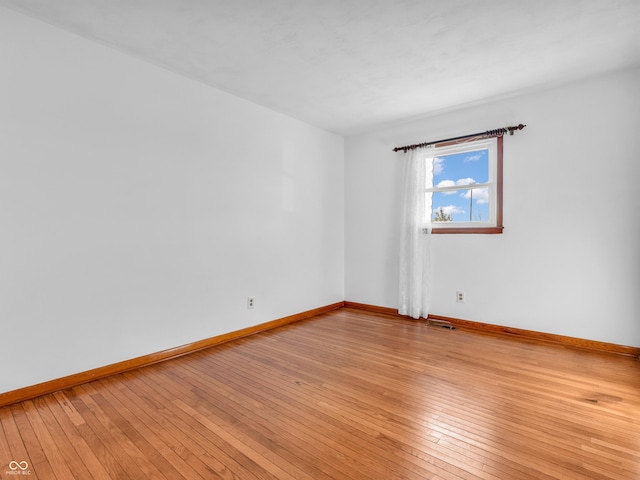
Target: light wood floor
(347, 395)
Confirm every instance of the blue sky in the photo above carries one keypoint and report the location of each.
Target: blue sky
(462, 169)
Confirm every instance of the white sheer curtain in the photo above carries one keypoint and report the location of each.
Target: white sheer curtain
(415, 233)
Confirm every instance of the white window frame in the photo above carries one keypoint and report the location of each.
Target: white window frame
(494, 184)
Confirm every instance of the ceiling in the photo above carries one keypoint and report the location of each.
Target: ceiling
(350, 66)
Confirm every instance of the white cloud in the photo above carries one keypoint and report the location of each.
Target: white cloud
(472, 158)
(465, 181)
(458, 183)
(450, 209)
(480, 195)
(446, 183)
(438, 165)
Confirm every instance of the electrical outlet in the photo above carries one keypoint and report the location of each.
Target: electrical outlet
(460, 297)
(250, 302)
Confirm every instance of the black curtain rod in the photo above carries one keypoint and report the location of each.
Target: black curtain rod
(498, 132)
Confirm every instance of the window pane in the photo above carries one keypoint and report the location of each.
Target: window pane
(459, 170)
(461, 206)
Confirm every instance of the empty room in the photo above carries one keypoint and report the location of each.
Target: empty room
(331, 239)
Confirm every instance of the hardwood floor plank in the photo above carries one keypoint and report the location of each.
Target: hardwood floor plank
(223, 459)
(69, 419)
(293, 392)
(150, 431)
(271, 422)
(347, 394)
(60, 454)
(148, 458)
(178, 439)
(121, 453)
(366, 413)
(374, 429)
(25, 445)
(322, 428)
(97, 444)
(5, 451)
(65, 405)
(230, 439)
(245, 444)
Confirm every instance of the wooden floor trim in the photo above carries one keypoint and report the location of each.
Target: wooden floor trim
(55, 385)
(517, 332)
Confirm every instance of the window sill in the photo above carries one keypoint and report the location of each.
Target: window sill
(453, 230)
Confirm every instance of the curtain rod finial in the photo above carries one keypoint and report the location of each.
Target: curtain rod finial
(513, 129)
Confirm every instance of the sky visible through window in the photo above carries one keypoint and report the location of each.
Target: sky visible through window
(462, 169)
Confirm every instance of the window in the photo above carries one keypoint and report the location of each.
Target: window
(466, 193)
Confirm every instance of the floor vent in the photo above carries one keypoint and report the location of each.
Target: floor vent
(440, 323)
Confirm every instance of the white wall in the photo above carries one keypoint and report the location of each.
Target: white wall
(569, 259)
(139, 209)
